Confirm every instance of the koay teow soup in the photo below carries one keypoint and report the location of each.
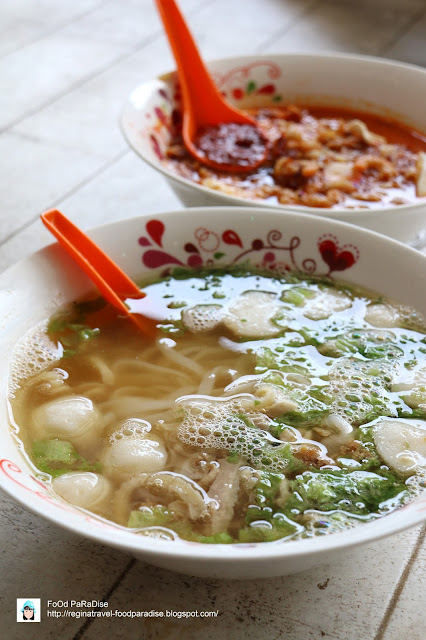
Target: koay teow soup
(269, 408)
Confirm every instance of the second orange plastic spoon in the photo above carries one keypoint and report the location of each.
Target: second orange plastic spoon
(115, 286)
(217, 134)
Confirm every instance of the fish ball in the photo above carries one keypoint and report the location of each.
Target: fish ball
(131, 456)
(72, 418)
(83, 489)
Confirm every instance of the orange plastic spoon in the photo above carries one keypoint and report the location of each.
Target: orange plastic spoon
(114, 285)
(217, 134)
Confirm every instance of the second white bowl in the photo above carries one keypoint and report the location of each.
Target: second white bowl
(378, 86)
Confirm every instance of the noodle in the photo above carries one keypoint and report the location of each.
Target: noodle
(105, 372)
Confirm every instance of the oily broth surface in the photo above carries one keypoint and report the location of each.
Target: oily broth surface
(324, 157)
(236, 469)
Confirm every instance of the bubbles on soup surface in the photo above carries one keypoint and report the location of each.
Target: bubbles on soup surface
(223, 424)
(357, 385)
(208, 423)
(134, 427)
(203, 317)
(34, 353)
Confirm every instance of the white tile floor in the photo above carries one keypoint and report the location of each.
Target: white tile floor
(65, 68)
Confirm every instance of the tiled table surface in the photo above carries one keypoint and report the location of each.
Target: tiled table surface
(65, 68)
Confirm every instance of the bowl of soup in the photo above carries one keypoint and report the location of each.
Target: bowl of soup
(276, 421)
(346, 138)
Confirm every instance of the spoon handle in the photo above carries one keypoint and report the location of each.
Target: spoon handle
(112, 282)
(202, 100)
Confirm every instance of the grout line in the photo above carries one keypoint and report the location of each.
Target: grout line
(67, 194)
(49, 32)
(399, 588)
(278, 34)
(105, 598)
(140, 45)
(404, 30)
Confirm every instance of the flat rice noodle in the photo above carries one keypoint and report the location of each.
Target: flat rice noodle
(225, 491)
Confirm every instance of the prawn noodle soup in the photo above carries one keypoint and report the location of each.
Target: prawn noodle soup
(269, 407)
(324, 157)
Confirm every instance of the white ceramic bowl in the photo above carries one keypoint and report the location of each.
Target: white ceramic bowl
(32, 290)
(379, 86)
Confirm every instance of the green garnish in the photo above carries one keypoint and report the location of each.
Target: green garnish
(57, 457)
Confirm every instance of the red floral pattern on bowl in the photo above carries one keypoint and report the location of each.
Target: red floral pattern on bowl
(209, 248)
